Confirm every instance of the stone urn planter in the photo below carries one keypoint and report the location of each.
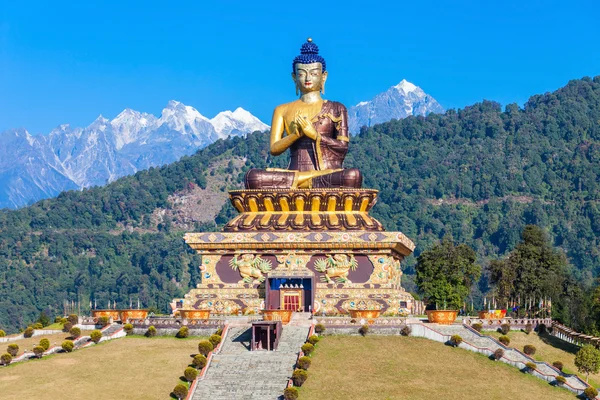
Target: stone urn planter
(444, 317)
(133, 314)
(114, 314)
(488, 315)
(194, 314)
(369, 315)
(277, 315)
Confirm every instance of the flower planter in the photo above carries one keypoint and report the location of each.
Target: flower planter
(277, 315)
(114, 314)
(489, 315)
(134, 314)
(369, 315)
(444, 317)
(194, 314)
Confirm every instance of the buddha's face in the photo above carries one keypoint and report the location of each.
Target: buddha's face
(309, 77)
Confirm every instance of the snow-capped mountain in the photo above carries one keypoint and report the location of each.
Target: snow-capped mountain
(397, 102)
(37, 167)
(237, 123)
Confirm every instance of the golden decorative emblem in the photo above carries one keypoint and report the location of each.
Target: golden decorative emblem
(250, 267)
(336, 268)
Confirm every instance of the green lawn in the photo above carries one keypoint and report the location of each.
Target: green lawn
(128, 368)
(394, 367)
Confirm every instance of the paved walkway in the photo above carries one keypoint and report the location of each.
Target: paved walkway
(238, 373)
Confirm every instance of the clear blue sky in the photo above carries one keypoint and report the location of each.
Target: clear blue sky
(68, 62)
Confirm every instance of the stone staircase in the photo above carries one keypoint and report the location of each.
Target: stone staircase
(518, 359)
(238, 373)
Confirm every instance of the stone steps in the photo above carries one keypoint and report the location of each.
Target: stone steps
(237, 373)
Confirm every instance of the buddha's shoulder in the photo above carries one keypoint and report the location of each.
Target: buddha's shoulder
(334, 106)
(282, 108)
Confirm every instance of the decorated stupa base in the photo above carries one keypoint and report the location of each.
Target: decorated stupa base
(327, 273)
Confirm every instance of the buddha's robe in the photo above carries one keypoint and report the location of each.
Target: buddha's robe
(324, 156)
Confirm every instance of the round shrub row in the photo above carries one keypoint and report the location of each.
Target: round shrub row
(590, 393)
(561, 380)
(37, 325)
(313, 339)
(6, 359)
(68, 346)
(455, 340)
(75, 332)
(45, 344)
(558, 365)
(38, 351)
(504, 328)
(2, 333)
(151, 332)
(304, 362)
(528, 328)
(477, 326)
(406, 330)
(530, 366)
(73, 319)
(199, 361)
(96, 335)
(128, 328)
(529, 349)
(505, 340)
(67, 327)
(215, 340)
(190, 374)
(299, 376)
(290, 393)
(180, 391)
(183, 332)
(205, 347)
(13, 349)
(28, 332)
(307, 348)
(498, 354)
(319, 328)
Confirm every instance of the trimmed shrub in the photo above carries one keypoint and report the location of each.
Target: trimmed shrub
(505, 340)
(205, 347)
(104, 320)
(219, 331)
(542, 329)
(590, 393)
(477, 326)
(38, 351)
(528, 329)
(299, 376)
(2, 333)
(28, 332)
(313, 339)
(6, 359)
(62, 320)
(319, 328)
(37, 325)
(190, 374)
(199, 361)
(530, 367)
(290, 393)
(304, 362)
(45, 343)
(215, 340)
(128, 328)
(455, 340)
(406, 330)
(529, 349)
(67, 326)
(560, 380)
(73, 319)
(96, 335)
(183, 332)
(558, 365)
(13, 349)
(75, 332)
(151, 332)
(307, 349)
(180, 391)
(364, 330)
(504, 328)
(68, 346)
(498, 354)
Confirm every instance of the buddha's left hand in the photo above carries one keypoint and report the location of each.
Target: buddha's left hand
(307, 128)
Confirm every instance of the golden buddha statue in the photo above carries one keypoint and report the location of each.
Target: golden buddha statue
(315, 131)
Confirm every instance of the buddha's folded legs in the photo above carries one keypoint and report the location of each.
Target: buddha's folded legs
(282, 179)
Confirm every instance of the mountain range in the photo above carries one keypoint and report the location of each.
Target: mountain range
(38, 167)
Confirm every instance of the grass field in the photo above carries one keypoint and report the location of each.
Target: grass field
(549, 349)
(30, 343)
(131, 368)
(393, 367)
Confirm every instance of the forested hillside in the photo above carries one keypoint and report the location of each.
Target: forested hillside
(480, 174)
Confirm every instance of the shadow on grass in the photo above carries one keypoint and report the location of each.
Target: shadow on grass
(558, 343)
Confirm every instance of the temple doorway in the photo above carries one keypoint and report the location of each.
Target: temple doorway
(289, 293)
